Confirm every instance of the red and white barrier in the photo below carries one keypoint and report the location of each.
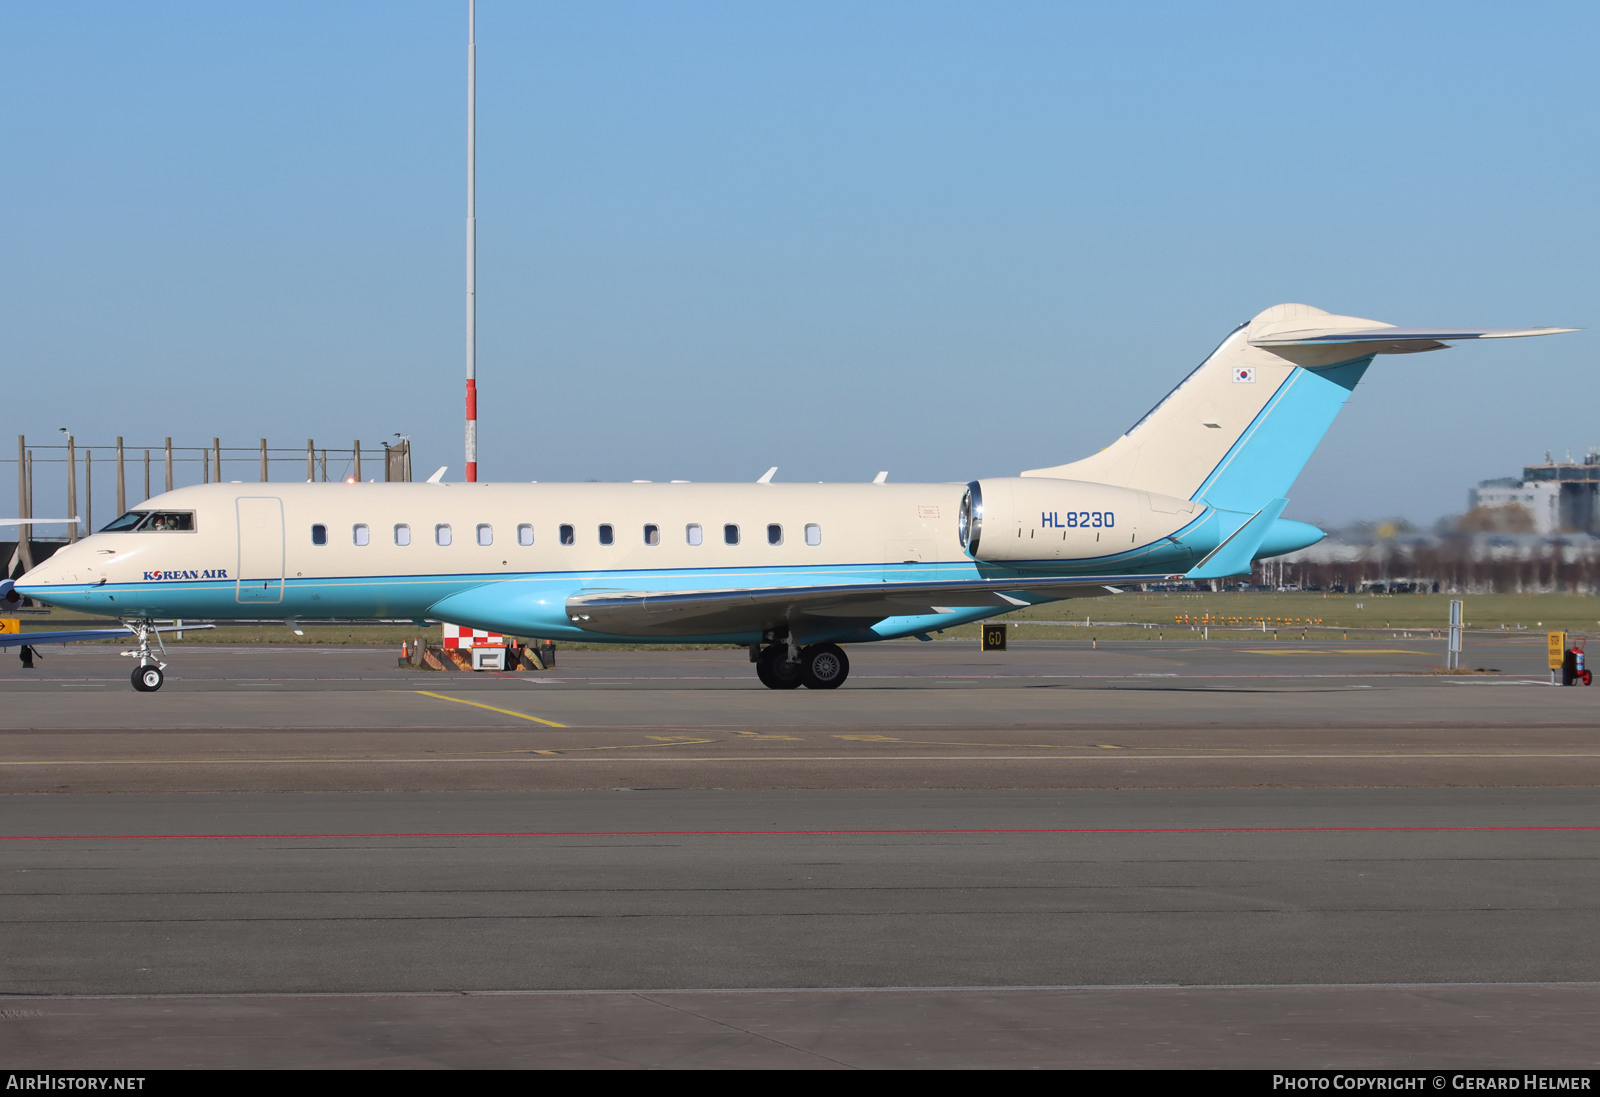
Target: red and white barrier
(459, 636)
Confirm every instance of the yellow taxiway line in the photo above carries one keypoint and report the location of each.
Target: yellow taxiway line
(491, 708)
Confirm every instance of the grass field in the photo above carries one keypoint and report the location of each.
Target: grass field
(1358, 616)
(1128, 616)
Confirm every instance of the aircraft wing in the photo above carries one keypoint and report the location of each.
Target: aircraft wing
(691, 612)
(12, 639)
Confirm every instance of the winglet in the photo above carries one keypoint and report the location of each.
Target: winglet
(766, 477)
(438, 477)
(1236, 555)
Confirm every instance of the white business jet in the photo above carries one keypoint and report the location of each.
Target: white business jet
(1194, 490)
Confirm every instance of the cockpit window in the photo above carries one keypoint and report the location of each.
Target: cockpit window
(146, 521)
(126, 522)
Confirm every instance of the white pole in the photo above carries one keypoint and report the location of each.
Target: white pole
(472, 244)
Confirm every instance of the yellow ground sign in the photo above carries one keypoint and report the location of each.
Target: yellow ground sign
(10, 624)
(1558, 648)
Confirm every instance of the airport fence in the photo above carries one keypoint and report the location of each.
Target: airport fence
(46, 474)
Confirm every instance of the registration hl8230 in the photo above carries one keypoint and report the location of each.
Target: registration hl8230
(1088, 519)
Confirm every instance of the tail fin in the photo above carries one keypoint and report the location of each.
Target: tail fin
(1237, 431)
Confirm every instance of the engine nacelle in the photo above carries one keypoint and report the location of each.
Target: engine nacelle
(1037, 518)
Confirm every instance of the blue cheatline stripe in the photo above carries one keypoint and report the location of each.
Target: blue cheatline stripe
(1263, 464)
(405, 586)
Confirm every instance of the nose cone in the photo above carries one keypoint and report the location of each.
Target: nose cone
(59, 580)
(1287, 535)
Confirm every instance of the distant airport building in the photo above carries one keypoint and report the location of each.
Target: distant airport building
(1558, 496)
(1539, 532)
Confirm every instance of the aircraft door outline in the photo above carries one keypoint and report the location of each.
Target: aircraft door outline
(261, 549)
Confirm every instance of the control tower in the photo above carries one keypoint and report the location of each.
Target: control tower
(1577, 488)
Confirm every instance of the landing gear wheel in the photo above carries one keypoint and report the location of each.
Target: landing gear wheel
(147, 679)
(775, 670)
(824, 666)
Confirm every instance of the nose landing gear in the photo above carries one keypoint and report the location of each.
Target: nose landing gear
(147, 676)
(820, 666)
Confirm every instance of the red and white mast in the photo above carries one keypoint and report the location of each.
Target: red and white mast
(472, 246)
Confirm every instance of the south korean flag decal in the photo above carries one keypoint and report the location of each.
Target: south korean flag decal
(1244, 375)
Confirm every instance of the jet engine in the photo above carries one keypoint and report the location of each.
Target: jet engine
(1037, 518)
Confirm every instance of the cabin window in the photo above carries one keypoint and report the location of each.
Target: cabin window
(730, 534)
(652, 535)
(441, 534)
(606, 536)
(774, 533)
(525, 534)
(402, 534)
(813, 534)
(319, 534)
(567, 537)
(485, 533)
(361, 534)
(693, 534)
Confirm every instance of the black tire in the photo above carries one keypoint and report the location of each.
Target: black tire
(147, 679)
(776, 671)
(824, 666)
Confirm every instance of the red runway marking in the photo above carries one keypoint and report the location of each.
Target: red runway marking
(801, 833)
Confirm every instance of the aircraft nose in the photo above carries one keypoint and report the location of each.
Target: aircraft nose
(67, 566)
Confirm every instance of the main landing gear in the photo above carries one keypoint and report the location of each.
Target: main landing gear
(820, 666)
(147, 676)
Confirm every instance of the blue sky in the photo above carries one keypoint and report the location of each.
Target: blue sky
(947, 240)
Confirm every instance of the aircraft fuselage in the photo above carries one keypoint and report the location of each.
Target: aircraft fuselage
(509, 557)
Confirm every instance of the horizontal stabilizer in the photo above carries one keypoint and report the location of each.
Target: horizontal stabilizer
(1236, 555)
(1391, 340)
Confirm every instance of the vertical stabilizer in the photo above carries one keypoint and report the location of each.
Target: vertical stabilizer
(1236, 432)
(1239, 429)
